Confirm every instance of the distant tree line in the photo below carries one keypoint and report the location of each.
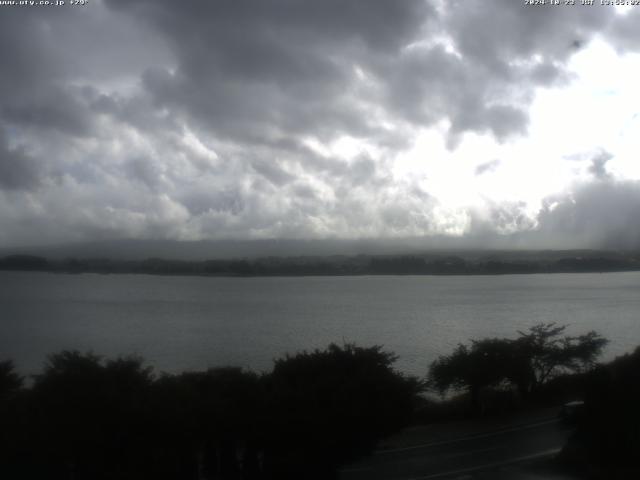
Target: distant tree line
(335, 265)
(85, 417)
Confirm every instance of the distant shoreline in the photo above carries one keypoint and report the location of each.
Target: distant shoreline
(358, 265)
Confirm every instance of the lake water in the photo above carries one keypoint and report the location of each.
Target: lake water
(179, 323)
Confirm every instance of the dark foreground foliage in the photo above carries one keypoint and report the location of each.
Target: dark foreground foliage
(89, 418)
(606, 444)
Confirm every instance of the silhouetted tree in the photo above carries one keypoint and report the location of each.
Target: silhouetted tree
(547, 353)
(90, 416)
(484, 363)
(327, 407)
(232, 413)
(208, 423)
(526, 362)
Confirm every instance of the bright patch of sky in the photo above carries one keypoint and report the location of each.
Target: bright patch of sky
(598, 110)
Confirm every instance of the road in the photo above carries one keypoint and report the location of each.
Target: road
(469, 456)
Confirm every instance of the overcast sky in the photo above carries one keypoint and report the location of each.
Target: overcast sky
(347, 119)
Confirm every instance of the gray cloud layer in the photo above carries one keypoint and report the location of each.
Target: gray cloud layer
(186, 120)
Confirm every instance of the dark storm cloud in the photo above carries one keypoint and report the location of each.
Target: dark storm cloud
(24, 55)
(243, 66)
(56, 109)
(35, 85)
(31, 94)
(272, 172)
(252, 70)
(202, 201)
(18, 171)
(51, 60)
(144, 170)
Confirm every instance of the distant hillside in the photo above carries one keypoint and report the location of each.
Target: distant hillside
(509, 248)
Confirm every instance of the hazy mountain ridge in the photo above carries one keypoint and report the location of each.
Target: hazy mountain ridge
(130, 249)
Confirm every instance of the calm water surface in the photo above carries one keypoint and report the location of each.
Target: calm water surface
(179, 323)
